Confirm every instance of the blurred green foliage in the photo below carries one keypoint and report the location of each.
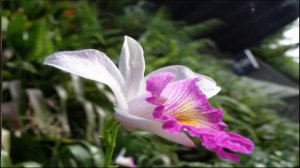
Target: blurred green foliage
(54, 119)
(275, 54)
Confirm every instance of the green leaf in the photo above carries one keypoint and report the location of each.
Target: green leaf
(96, 153)
(15, 31)
(80, 154)
(40, 41)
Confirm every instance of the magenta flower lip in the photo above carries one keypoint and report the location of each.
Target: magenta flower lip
(186, 108)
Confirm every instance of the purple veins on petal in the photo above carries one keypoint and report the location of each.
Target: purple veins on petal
(181, 106)
(157, 83)
(183, 101)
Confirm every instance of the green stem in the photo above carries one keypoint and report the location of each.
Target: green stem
(110, 136)
(108, 156)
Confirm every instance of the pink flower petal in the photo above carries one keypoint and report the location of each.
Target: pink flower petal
(227, 155)
(183, 101)
(157, 83)
(220, 140)
(185, 108)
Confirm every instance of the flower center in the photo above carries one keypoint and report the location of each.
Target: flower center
(190, 117)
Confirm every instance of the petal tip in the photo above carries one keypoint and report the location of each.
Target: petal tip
(50, 60)
(128, 38)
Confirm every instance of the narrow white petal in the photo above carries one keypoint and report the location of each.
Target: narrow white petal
(152, 126)
(91, 64)
(132, 66)
(207, 85)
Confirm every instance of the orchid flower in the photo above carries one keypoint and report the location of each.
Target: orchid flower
(168, 102)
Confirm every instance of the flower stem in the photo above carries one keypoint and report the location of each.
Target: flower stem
(110, 134)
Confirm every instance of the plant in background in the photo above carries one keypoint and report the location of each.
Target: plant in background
(275, 52)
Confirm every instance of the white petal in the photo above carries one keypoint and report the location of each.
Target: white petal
(91, 64)
(132, 66)
(152, 126)
(140, 107)
(207, 85)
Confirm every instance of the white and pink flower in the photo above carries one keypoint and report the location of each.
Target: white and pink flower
(167, 102)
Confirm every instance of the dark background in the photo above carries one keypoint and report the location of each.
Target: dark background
(247, 22)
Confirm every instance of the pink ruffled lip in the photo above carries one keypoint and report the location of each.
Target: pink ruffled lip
(225, 144)
(183, 103)
(181, 106)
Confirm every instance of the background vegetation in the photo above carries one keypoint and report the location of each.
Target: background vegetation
(275, 53)
(51, 118)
